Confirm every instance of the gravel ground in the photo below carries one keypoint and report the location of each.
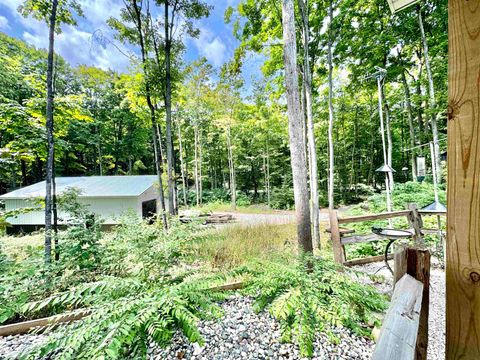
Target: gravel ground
(240, 334)
(436, 318)
(12, 346)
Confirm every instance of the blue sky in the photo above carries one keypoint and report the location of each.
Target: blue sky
(75, 44)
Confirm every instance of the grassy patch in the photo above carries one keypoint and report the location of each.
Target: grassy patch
(233, 246)
(218, 206)
(21, 247)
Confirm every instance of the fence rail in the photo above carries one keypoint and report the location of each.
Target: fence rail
(342, 236)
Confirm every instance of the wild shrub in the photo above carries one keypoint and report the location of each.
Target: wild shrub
(80, 244)
(137, 248)
(307, 302)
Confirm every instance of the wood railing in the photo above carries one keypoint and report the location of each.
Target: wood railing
(404, 332)
(342, 236)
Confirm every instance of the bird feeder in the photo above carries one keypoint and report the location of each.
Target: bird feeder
(421, 168)
(398, 5)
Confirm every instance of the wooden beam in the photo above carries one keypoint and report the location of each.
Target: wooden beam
(355, 239)
(385, 215)
(337, 246)
(432, 213)
(400, 327)
(416, 263)
(53, 321)
(26, 326)
(367, 260)
(463, 218)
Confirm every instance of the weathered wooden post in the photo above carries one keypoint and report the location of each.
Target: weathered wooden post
(337, 247)
(463, 218)
(416, 263)
(415, 222)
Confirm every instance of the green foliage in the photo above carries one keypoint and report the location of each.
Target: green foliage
(306, 302)
(80, 243)
(123, 328)
(282, 197)
(41, 10)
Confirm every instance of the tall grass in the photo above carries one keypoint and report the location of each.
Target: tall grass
(233, 246)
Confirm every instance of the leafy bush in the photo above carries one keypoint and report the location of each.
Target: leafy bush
(308, 302)
(80, 244)
(282, 198)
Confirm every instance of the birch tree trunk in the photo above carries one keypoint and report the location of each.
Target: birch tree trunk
(295, 121)
(168, 113)
(431, 93)
(182, 166)
(411, 127)
(197, 182)
(231, 166)
(331, 161)
(200, 163)
(312, 150)
(156, 140)
(50, 140)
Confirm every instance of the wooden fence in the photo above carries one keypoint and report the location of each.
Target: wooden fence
(342, 236)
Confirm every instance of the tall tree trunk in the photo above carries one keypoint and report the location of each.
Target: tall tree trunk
(312, 150)
(156, 141)
(411, 127)
(231, 166)
(200, 163)
(197, 180)
(55, 212)
(50, 140)
(331, 158)
(182, 167)
(431, 93)
(295, 122)
(168, 112)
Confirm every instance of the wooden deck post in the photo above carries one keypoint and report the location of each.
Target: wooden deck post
(416, 263)
(337, 247)
(463, 218)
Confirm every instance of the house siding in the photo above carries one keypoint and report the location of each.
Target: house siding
(109, 209)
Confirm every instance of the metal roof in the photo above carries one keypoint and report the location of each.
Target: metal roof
(90, 186)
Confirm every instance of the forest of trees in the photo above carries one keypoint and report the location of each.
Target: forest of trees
(221, 137)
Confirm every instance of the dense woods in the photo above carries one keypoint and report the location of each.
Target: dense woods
(228, 139)
(345, 92)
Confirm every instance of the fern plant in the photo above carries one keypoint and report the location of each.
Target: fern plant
(123, 327)
(307, 300)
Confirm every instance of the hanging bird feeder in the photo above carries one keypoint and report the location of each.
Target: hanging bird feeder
(398, 5)
(421, 170)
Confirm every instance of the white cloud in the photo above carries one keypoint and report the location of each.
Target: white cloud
(4, 23)
(12, 5)
(210, 46)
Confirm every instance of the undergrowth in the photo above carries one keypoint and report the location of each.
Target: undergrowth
(308, 299)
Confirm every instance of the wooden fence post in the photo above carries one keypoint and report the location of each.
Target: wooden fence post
(463, 218)
(416, 223)
(416, 263)
(337, 247)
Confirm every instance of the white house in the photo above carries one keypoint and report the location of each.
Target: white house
(107, 196)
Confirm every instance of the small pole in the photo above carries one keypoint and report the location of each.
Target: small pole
(435, 191)
(380, 112)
